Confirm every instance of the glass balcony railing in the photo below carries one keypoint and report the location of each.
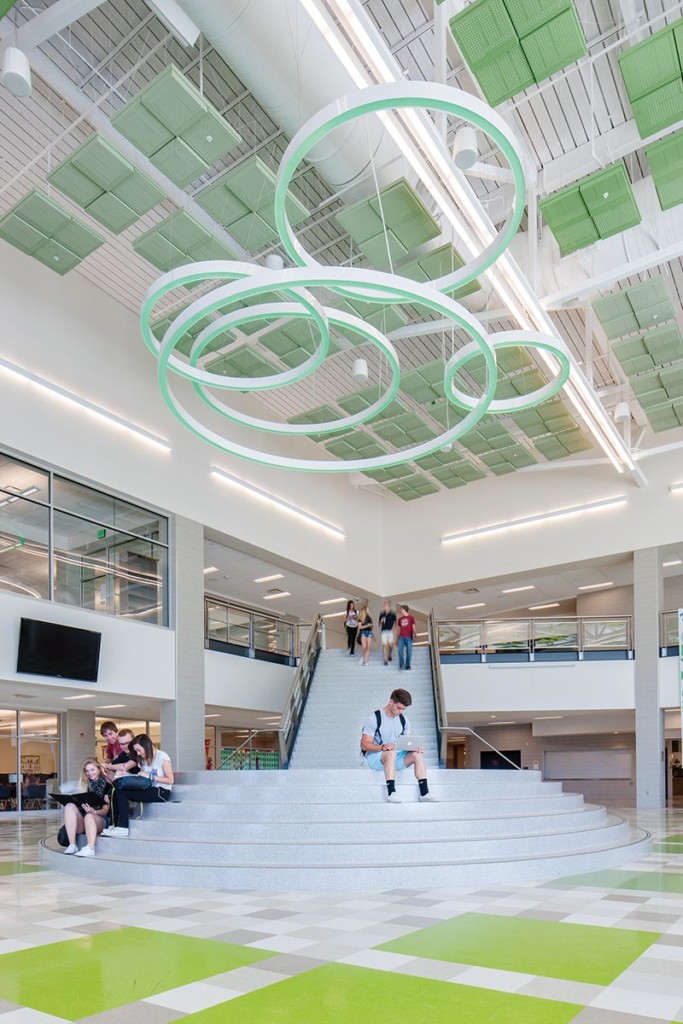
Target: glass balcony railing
(260, 635)
(536, 637)
(668, 629)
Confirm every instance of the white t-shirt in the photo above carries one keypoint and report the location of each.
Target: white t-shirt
(157, 766)
(390, 728)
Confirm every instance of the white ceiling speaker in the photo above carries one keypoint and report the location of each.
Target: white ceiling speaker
(465, 152)
(622, 412)
(16, 72)
(273, 261)
(360, 371)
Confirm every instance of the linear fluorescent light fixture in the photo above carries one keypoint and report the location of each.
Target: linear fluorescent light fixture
(676, 488)
(108, 707)
(675, 561)
(333, 600)
(333, 615)
(269, 579)
(513, 524)
(518, 590)
(112, 418)
(209, 569)
(540, 607)
(276, 597)
(212, 716)
(596, 586)
(80, 696)
(178, 23)
(286, 506)
(464, 607)
(548, 718)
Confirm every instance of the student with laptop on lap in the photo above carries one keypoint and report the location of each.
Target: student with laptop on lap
(387, 745)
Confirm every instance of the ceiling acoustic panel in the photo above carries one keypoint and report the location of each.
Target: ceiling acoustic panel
(40, 227)
(653, 76)
(666, 165)
(172, 124)
(109, 187)
(386, 226)
(242, 201)
(649, 351)
(177, 240)
(322, 414)
(510, 45)
(242, 362)
(644, 305)
(437, 263)
(599, 206)
(412, 487)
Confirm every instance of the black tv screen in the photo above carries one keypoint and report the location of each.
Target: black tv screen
(48, 649)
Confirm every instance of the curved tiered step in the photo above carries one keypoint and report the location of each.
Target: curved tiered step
(333, 829)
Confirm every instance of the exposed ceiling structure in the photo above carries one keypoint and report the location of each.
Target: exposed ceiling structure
(148, 153)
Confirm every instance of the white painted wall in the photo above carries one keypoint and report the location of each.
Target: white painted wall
(542, 685)
(235, 682)
(135, 658)
(67, 330)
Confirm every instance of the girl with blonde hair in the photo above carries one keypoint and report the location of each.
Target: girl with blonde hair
(89, 819)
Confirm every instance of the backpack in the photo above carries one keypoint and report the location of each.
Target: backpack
(377, 738)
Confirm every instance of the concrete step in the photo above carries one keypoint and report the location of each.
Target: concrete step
(358, 776)
(346, 793)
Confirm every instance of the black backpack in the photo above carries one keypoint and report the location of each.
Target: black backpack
(377, 738)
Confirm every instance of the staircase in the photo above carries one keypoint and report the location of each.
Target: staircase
(326, 824)
(344, 696)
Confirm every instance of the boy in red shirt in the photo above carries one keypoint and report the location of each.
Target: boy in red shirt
(406, 635)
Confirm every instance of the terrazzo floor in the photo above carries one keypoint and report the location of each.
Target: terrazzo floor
(601, 948)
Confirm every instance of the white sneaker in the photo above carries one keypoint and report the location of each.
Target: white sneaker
(71, 848)
(393, 798)
(428, 798)
(115, 832)
(87, 851)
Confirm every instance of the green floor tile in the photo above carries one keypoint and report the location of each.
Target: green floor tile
(340, 994)
(85, 976)
(667, 848)
(574, 952)
(675, 838)
(15, 867)
(648, 881)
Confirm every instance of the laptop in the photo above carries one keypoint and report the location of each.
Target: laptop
(92, 799)
(409, 742)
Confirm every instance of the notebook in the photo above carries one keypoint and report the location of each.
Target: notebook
(92, 799)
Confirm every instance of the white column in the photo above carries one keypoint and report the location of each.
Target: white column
(650, 748)
(78, 742)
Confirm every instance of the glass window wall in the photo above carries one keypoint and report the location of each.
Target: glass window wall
(29, 759)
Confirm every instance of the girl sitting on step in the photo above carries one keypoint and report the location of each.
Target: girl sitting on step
(89, 819)
(155, 775)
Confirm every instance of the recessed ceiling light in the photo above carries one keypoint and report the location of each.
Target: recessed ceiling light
(493, 716)
(675, 561)
(548, 718)
(104, 707)
(538, 607)
(332, 600)
(518, 590)
(463, 607)
(211, 568)
(676, 488)
(81, 696)
(596, 586)
(276, 597)
(268, 579)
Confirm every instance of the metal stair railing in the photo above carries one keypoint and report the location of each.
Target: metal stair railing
(298, 694)
(442, 726)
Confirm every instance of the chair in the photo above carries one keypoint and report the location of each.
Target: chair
(35, 798)
(7, 802)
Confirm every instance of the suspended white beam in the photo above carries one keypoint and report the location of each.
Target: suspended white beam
(48, 23)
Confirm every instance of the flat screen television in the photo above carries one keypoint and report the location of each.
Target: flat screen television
(49, 649)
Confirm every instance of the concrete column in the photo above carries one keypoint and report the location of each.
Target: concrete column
(650, 747)
(182, 720)
(78, 742)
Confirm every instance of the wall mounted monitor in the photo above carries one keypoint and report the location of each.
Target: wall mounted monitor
(50, 649)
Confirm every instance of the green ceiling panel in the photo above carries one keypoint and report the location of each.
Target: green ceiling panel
(109, 187)
(179, 163)
(357, 444)
(666, 164)
(404, 430)
(383, 476)
(40, 227)
(396, 220)
(172, 124)
(159, 251)
(482, 30)
(111, 212)
(183, 231)
(508, 460)
(554, 45)
(616, 315)
(440, 459)
(599, 206)
(174, 100)
(141, 128)
(528, 15)
(184, 346)
(650, 64)
(644, 305)
(659, 109)
(101, 162)
(649, 351)
(252, 182)
(424, 385)
(179, 239)
(457, 474)
(360, 400)
(504, 75)
(412, 487)
(559, 446)
(242, 362)
(436, 263)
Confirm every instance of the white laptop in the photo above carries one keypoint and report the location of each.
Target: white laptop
(409, 742)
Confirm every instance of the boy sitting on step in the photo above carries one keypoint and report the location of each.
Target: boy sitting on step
(378, 744)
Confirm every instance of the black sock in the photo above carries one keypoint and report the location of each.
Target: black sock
(424, 788)
(391, 786)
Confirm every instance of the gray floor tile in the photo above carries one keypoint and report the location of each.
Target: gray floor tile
(273, 914)
(242, 936)
(246, 979)
(563, 991)
(593, 1015)
(147, 1012)
(669, 940)
(652, 915)
(439, 970)
(5, 1007)
(289, 963)
(618, 898)
(411, 920)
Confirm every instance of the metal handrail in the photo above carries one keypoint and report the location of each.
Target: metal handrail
(466, 728)
(249, 644)
(245, 743)
(532, 642)
(437, 687)
(298, 693)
